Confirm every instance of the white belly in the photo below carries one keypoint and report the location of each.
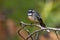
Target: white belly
(31, 18)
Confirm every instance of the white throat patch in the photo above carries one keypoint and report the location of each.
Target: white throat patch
(29, 14)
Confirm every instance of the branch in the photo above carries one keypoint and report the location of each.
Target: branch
(41, 28)
(47, 28)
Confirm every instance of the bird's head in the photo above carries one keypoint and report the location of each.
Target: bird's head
(31, 11)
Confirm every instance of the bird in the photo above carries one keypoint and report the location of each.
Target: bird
(34, 16)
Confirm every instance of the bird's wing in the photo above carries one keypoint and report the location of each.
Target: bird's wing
(40, 20)
(37, 15)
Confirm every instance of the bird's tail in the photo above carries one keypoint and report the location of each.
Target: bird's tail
(41, 22)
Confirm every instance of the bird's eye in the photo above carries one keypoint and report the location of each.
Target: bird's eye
(31, 11)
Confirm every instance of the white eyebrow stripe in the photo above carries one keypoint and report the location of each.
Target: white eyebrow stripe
(29, 10)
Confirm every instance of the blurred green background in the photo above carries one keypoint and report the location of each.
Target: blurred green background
(48, 9)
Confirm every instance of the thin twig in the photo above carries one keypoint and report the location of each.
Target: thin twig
(47, 28)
